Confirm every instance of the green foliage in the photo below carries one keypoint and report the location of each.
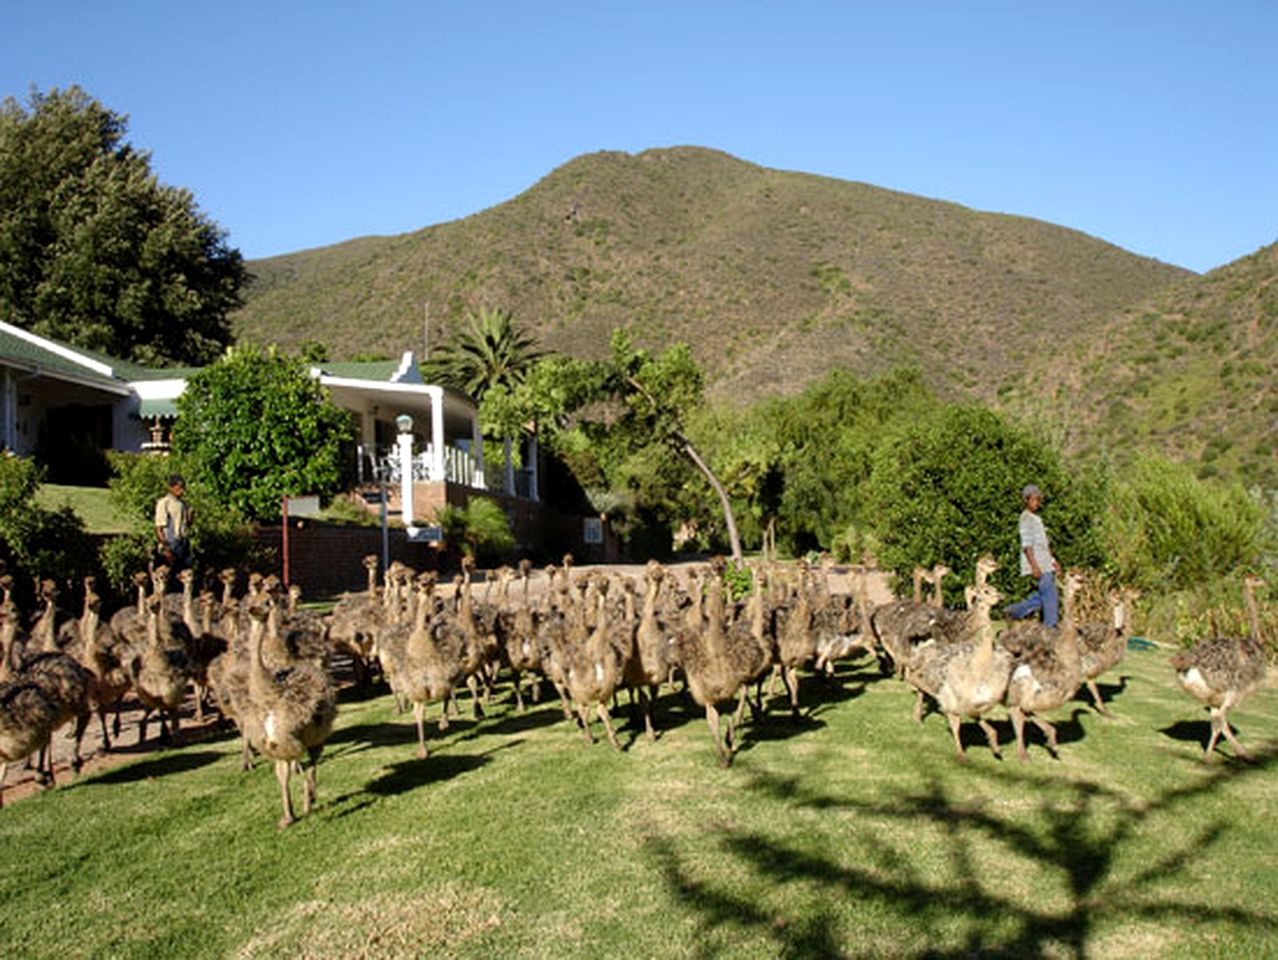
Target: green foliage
(803, 462)
(481, 528)
(33, 540)
(945, 488)
(1165, 528)
(94, 250)
(220, 535)
(258, 428)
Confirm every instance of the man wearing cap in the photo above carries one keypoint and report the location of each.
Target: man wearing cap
(1037, 562)
(173, 517)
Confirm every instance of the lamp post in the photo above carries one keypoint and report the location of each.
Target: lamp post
(405, 424)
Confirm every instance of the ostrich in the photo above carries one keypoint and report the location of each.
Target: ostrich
(292, 710)
(354, 621)
(593, 667)
(1220, 672)
(1102, 646)
(650, 662)
(98, 654)
(966, 679)
(160, 672)
(715, 670)
(1047, 674)
(27, 719)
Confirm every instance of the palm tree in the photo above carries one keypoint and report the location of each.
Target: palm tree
(487, 352)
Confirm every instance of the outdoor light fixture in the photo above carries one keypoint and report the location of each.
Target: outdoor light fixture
(405, 423)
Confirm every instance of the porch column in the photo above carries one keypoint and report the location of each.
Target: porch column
(437, 434)
(532, 467)
(509, 479)
(477, 447)
(8, 411)
(406, 470)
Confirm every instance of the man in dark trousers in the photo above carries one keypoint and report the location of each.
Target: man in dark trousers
(173, 518)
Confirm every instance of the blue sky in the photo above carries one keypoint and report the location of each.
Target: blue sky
(1153, 125)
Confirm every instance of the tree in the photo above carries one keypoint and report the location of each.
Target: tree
(259, 428)
(94, 250)
(617, 422)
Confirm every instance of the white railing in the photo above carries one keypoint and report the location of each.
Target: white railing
(459, 466)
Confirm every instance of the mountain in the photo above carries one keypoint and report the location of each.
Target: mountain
(771, 277)
(1187, 373)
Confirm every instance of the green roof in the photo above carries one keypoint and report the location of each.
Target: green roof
(361, 370)
(24, 352)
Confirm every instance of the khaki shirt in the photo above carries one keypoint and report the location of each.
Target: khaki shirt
(173, 517)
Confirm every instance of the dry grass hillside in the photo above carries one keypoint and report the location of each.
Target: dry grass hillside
(772, 277)
(1188, 373)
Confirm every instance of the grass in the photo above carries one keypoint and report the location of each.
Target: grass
(851, 832)
(92, 504)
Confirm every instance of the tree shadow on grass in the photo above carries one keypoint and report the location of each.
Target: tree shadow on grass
(159, 766)
(1074, 838)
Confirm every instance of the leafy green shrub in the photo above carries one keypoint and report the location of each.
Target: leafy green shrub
(1166, 528)
(946, 489)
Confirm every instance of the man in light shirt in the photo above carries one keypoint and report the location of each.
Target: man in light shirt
(173, 525)
(1037, 562)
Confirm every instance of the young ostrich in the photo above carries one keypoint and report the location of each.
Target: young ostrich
(1048, 673)
(967, 679)
(27, 720)
(716, 669)
(593, 668)
(292, 710)
(1220, 672)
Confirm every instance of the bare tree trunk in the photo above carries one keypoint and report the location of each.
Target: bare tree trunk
(729, 518)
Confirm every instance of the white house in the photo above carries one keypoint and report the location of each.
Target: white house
(52, 393)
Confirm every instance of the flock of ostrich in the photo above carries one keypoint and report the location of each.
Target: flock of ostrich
(267, 665)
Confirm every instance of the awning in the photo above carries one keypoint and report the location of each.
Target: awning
(165, 409)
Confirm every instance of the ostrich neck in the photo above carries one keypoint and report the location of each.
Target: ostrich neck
(48, 640)
(984, 636)
(1253, 611)
(1068, 640)
(259, 677)
(89, 630)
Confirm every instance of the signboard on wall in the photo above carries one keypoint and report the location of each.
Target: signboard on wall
(591, 530)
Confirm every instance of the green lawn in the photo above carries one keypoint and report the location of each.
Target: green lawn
(92, 504)
(850, 833)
